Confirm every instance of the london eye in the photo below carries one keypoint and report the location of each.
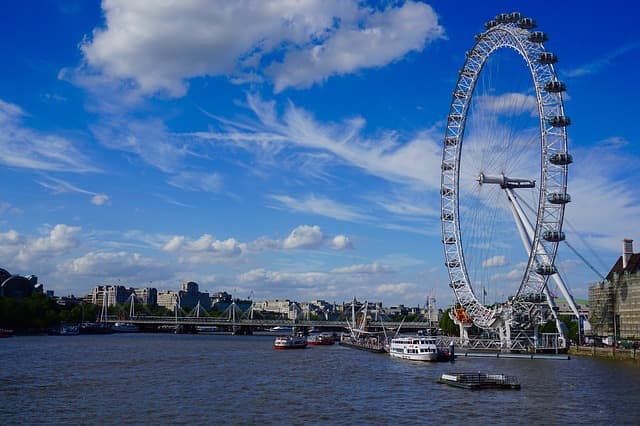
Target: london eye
(504, 177)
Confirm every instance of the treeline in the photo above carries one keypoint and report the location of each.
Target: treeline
(39, 313)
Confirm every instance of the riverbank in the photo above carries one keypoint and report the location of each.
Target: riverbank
(608, 352)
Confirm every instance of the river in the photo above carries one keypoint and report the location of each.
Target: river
(213, 379)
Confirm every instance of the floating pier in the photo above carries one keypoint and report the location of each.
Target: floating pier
(476, 381)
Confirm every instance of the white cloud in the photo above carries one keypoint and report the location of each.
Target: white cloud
(508, 104)
(158, 47)
(394, 289)
(205, 249)
(23, 147)
(601, 62)
(381, 38)
(495, 261)
(411, 162)
(98, 265)
(197, 181)
(22, 250)
(369, 268)
(304, 236)
(319, 206)
(58, 186)
(341, 242)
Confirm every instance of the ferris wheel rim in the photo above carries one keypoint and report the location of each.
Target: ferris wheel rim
(514, 34)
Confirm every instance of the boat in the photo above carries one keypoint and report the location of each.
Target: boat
(476, 381)
(5, 332)
(122, 327)
(415, 348)
(280, 329)
(320, 339)
(361, 335)
(207, 328)
(95, 328)
(290, 342)
(65, 330)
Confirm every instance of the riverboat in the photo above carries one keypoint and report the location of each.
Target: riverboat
(5, 332)
(320, 339)
(122, 327)
(415, 348)
(95, 328)
(476, 381)
(290, 342)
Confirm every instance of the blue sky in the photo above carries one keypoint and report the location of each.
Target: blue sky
(289, 149)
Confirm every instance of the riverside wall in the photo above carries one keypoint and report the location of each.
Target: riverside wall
(607, 352)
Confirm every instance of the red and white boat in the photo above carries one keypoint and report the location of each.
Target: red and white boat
(290, 342)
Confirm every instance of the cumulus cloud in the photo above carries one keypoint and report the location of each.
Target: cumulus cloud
(495, 261)
(98, 264)
(205, 249)
(304, 236)
(341, 242)
(25, 148)
(23, 250)
(161, 46)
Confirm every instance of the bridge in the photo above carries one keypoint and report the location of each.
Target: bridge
(157, 321)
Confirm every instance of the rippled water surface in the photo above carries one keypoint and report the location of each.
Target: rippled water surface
(213, 379)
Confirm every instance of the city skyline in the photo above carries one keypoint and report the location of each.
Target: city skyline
(285, 149)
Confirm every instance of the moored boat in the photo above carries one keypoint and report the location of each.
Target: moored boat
(5, 332)
(95, 328)
(290, 342)
(122, 327)
(415, 348)
(320, 339)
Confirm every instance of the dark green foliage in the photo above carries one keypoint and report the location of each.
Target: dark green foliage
(447, 325)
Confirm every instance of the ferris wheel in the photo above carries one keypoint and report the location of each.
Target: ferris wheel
(504, 175)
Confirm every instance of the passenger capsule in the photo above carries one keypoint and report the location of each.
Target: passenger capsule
(555, 86)
(449, 240)
(527, 23)
(559, 120)
(546, 269)
(490, 24)
(502, 18)
(553, 236)
(558, 198)
(547, 58)
(538, 37)
(515, 16)
(447, 216)
(561, 159)
(451, 141)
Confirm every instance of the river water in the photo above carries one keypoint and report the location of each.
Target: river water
(214, 379)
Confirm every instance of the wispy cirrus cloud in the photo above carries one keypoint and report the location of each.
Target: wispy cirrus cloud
(320, 206)
(409, 162)
(23, 147)
(602, 62)
(58, 186)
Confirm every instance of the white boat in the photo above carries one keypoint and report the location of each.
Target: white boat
(121, 327)
(290, 342)
(415, 348)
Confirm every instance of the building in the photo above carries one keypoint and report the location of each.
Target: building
(17, 286)
(188, 297)
(119, 294)
(614, 304)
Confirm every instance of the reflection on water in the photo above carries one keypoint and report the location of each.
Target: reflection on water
(205, 379)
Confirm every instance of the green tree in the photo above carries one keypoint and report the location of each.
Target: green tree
(447, 325)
